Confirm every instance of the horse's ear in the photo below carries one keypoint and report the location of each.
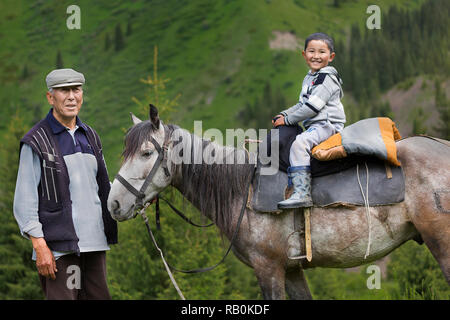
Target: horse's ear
(154, 119)
(135, 119)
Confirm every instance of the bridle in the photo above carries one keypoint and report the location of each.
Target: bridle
(160, 161)
(140, 195)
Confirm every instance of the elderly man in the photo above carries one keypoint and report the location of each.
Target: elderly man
(61, 194)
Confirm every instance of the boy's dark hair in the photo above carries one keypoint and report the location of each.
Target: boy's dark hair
(321, 36)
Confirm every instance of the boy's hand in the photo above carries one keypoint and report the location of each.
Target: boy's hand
(278, 121)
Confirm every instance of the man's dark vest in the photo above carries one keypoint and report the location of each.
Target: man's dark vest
(55, 205)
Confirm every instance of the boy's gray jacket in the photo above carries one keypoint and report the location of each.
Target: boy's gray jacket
(320, 99)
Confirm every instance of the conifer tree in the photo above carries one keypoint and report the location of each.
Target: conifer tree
(443, 107)
(129, 28)
(418, 121)
(18, 274)
(119, 43)
(402, 50)
(25, 73)
(156, 93)
(107, 42)
(59, 61)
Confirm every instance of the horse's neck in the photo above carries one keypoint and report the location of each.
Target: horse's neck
(204, 177)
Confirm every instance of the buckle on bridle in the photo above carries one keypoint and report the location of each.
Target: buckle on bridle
(141, 196)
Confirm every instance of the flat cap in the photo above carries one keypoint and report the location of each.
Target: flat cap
(64, 78)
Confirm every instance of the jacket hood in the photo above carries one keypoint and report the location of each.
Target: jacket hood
(335, 76)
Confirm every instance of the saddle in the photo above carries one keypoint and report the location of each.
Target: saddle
(352, 181)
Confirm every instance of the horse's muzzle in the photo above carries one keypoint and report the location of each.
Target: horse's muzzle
(117, 213)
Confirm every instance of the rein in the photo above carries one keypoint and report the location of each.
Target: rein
(140, 195)
(178, 212)
(233, 238)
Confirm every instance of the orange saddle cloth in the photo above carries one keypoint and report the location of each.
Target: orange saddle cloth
(372, 137)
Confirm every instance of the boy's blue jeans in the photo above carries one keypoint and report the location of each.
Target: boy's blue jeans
(300, 152)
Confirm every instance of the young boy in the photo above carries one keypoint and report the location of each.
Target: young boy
(321, 111)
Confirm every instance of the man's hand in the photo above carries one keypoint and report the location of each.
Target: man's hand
(45, 261)
(278, 120)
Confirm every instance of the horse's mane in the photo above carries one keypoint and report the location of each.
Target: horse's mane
(213, 186)
(135, 137)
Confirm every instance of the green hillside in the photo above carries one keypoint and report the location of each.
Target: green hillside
(216, 54)
(229, 61)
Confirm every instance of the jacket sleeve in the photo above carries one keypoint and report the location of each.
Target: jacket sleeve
(291, 110)
(26, 198)
(313, 103)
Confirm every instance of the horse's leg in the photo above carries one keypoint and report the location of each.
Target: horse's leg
(435, 233)
(296, 285)
(442, 257)
(433, 225)
(439, 245)
(271, 280)
(426, 179)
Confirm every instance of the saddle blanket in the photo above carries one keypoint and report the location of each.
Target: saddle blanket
(334, 183)
(373, 136)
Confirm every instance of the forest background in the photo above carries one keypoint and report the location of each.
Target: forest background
(231, 64)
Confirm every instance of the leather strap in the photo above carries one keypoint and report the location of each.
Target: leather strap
(178, 212)
(161, 160)
(233, 238)
(128, 186)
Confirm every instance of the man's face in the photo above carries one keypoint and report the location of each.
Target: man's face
(317, 55)
(66, 102)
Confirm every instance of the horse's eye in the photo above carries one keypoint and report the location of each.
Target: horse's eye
(147, 154)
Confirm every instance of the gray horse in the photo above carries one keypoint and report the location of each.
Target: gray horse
(339, 235)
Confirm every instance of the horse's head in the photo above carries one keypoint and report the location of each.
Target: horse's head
(144, 172)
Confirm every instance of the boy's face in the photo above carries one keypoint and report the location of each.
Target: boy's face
(317, 55)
